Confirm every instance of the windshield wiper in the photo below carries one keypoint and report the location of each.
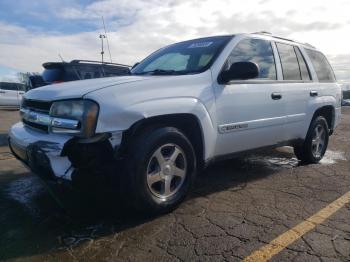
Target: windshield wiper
(158, 72)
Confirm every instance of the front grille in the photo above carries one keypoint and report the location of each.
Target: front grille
(36, 126)
(42, 107)
(38, 106)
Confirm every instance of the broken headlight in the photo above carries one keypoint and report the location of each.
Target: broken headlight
(74, 117)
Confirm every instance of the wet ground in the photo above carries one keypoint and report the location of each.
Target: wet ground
(236, 207)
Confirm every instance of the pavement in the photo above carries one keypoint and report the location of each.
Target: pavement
(257, 207)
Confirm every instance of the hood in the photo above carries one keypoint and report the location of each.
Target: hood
(77, 89)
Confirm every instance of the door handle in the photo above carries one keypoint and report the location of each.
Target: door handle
(313, 93)
(276, 96)
(2, 92)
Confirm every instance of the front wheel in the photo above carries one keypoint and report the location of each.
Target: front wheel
(316, 142)
(160, 167)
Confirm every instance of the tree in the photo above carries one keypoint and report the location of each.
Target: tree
(24, 77)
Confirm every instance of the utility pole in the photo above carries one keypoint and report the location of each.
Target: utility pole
(102, 52)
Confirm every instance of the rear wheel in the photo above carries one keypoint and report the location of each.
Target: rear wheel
(160, 167)
(316, 142)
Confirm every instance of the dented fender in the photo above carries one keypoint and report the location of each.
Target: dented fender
(123, 119)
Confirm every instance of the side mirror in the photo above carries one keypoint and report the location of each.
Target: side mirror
(239, 71)
(136, 64)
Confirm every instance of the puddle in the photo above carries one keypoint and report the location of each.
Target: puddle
(276, 162)
(273, 162)
(24, 191)
(331, 157)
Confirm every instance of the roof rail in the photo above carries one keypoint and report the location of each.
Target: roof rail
(282, 38)
(263, 33)
(96, 62)
(274, 36)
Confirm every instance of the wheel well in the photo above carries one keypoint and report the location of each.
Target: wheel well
(328, 113)
(187, 123)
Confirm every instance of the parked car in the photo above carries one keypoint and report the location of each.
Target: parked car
(58, 72)
(346, 98)
(182, 108)
(346, 102)
(11, 94)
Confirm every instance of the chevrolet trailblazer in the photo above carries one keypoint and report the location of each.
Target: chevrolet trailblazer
(180, 109)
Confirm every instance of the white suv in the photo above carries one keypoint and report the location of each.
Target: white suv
(182, 107)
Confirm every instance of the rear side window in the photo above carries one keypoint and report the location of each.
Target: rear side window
(346, 94)
(257, 51)
(114, 71)
(322, 67)
(305, 75)
(21, 87)
(89, 71)
(289, 62)
(70, 74)
(9, 86)
(52, 75)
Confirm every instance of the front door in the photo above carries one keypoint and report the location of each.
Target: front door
(250, 113)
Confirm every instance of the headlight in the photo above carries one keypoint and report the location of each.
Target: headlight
(74, 117)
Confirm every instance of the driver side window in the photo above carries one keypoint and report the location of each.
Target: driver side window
(257, 51)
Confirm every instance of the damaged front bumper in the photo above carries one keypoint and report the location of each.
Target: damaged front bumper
(59, 157)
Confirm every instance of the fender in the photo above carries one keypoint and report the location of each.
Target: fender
(316, 104)
(158, 107)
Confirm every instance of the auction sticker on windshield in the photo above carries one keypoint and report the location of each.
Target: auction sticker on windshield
(201, 44)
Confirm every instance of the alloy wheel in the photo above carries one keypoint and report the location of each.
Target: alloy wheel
(166, 171)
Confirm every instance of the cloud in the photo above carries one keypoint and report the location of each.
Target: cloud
(8, 74)
(137, 27)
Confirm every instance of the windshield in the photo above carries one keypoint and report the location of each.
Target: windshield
(189, 57)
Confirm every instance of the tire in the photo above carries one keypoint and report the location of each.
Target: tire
(315, 145)
(160, 169)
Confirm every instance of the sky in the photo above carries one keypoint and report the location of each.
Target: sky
(37, 31)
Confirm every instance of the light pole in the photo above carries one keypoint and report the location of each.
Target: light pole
(102, 52)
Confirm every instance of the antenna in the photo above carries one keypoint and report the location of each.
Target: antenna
(109, 51)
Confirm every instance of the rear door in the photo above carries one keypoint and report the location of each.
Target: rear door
(326, 86)
(296, 88)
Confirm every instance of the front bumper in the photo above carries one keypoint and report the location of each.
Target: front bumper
(41, 152)
(61, 157)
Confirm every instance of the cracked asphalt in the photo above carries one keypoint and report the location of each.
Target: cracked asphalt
(236, 207)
